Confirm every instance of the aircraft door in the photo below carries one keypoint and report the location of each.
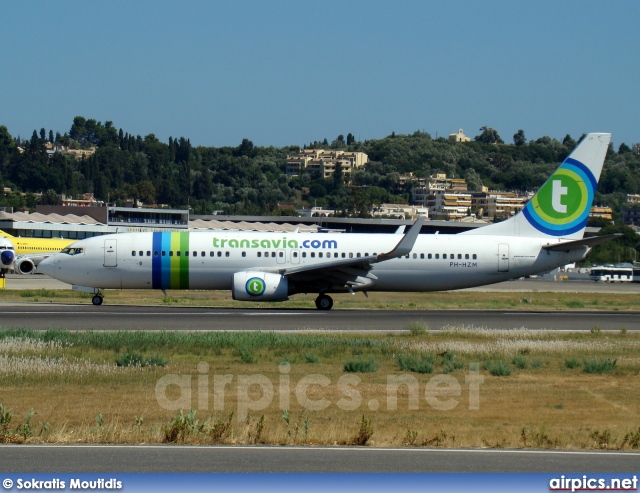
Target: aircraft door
(110, 253)
(503, 257)
(281, 256)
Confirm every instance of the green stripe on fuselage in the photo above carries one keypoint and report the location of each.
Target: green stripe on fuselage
(184, 260)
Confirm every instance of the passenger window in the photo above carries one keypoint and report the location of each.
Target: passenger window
(295, 254)
(335, 255)
(313, 254)
(141, 253)
(170, 253)
(148, 253)
(422, 256)
(202, 254)
(358, 254)
(475, 256)
(459, 256)
(219, 254)
(350, 254)
(178, 253)
(366, 254)
(429, 256)
(186, 254)
(273, 254)
(211, 254)
(133, 253)
(444, 255)
(320, 255)
(304, 254)
(415, 255)
(452, 256)
(437, 256)
(155, 253)
(244, 254)
(344, 255)
(259, 254)
(466, 256)
(164, 254)
(280, 254)
(226, 254)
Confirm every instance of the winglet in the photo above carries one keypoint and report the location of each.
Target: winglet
(405, 245)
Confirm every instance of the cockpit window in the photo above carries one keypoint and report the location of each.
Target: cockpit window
(71, 251)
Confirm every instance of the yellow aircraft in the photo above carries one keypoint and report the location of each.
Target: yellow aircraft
(29, 252)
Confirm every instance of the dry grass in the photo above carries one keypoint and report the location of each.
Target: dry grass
(71, 379)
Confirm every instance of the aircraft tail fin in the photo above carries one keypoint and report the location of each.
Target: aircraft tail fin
(560, 208)
(5, 235)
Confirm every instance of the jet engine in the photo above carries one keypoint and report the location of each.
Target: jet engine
(259, 286)
(24, 266)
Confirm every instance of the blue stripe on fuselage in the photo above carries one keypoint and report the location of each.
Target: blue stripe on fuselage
(156, 261)
(166, 261)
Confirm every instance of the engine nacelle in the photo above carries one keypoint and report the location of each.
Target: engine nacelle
(24, 266)
(259, 286)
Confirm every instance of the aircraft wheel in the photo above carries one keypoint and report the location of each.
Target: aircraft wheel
(96, 300)
(324, 302)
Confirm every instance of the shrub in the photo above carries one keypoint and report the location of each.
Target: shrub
(136, 359)
(246, 355)
(600, 365)
(418, 328)
(498, 368)
(361, 366)
(520, 362)
(311, 358)
(423, 364)
(365, 432)
(571, 363)
(575, 304)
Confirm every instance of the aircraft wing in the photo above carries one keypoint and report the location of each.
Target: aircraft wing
(569, 246)
(352, 272)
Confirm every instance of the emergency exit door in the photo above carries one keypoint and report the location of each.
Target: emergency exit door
(110, 253)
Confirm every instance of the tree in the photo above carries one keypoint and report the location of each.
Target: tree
(488, 136)
(350, 139)
(624, 148)
(51, 136)
(519, 138)
(50, 197)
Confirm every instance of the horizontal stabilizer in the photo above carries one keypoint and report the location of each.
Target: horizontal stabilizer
(569, 246)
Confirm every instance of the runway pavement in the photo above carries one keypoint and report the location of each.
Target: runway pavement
(161, 458)
(108, 317)
(547, 284)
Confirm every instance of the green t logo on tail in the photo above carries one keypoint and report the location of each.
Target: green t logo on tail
(561, 206)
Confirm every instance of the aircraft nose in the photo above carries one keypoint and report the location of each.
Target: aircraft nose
(47, 266)
(7, 257)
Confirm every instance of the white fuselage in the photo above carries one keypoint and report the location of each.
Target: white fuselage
(208, 260)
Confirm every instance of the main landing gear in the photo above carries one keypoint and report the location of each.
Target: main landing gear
(97, 299)
(324, 302)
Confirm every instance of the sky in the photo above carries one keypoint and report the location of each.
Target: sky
(291, 72)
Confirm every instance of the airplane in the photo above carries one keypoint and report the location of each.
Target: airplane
(7, 255)
(255, 266)
(29, 252)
